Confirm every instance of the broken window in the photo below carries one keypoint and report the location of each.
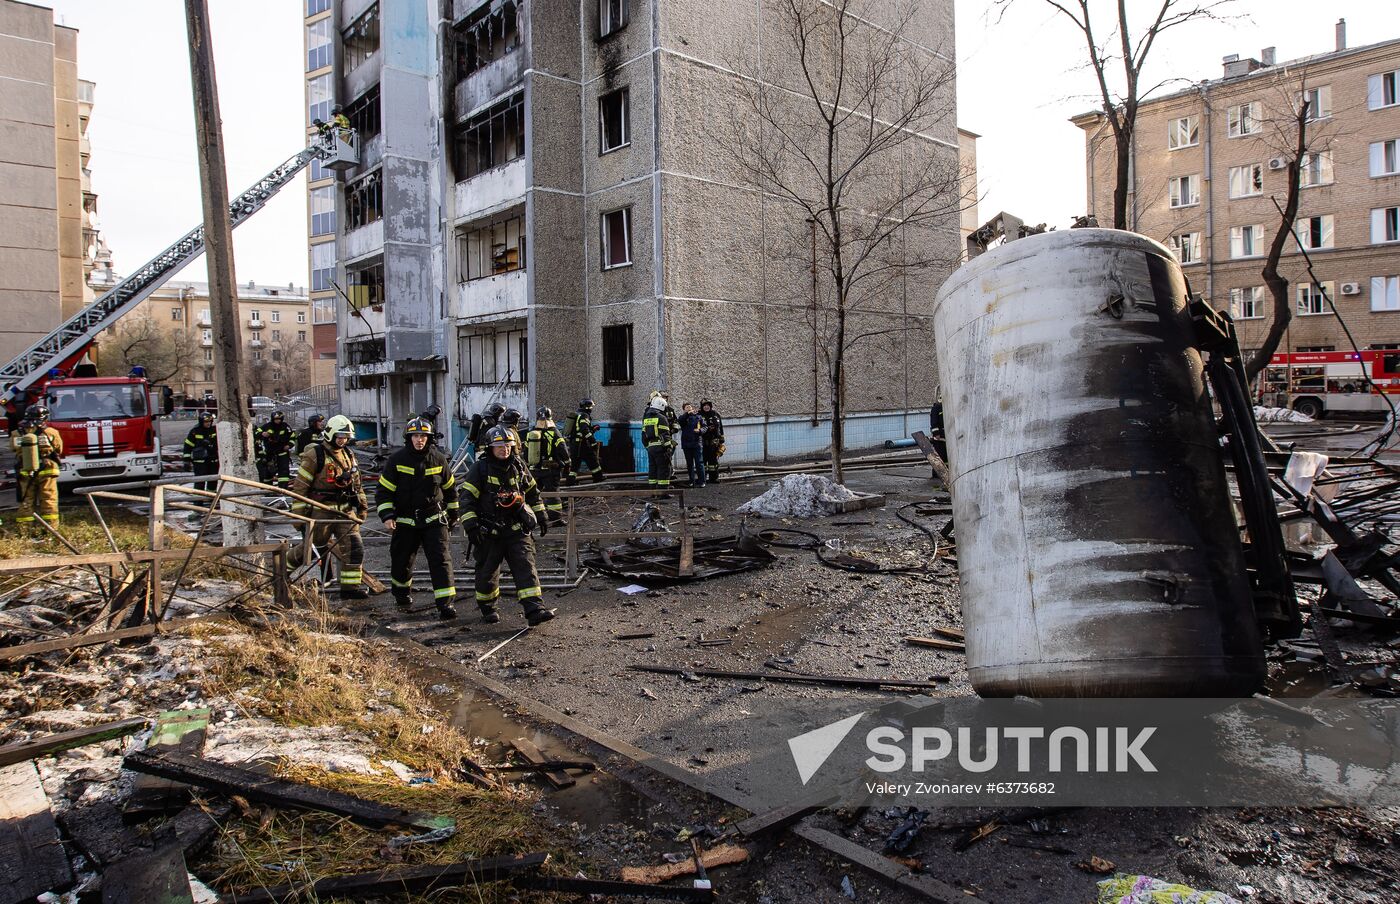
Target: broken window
(617, 355)
(364, 200)
(1184, 132)
(487, 358)
(486, 36)
(361, 39)
(617, 238)
(1244, 119)
(1187, 246)
(363, 114)
(1314, 232)
(612, 16)
(1246, 181)
(613, 114)
(1312, 299)
(366, 287)
(1315, 169)
(492, 249)
(1247, 303)
(491, 139)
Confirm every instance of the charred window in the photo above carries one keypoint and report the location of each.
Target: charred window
(491, 139)
(366, 289)
(613, 131)
(612, 16)
(363, 114)
(617, 355)
(617, 238)
(487, 35)
(364, 200)
(361, 39)
(492, 249)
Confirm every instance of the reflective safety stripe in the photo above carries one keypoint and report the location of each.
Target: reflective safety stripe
(437, 470)
(444, 592)
(554, 506)
(305, 474)
(469, 516)
(452, 506)
(527, 592)
(473, 490)
(349, 577)
(25, 518)
(490, 479)
(389, 506)
(449, 482)
(538, 509)
(409, 521)
(397, 583)
(488, 597)
(388, 484)
(406, 469)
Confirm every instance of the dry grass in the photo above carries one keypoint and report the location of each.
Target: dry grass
(82, 530)
(305, 671)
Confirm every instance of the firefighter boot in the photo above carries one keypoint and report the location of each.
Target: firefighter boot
(403, 600)
(489, 615)
(446, 611)
(535, 614)
(354, 592)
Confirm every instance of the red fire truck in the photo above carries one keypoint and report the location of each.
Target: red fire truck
(1322, 383)
(108, 427)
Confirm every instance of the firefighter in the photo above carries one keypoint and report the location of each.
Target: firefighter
(510, 419)
(417, 500)
(584, 447)
(340, 122)
(278, 441)
(502, 508)
(38, 449)
(547, 454)
(260, 454)
(482, 424)
(312, 434)
(201, 451)
(431, 415)
(711, 438)
(656, 436)
(329, 474)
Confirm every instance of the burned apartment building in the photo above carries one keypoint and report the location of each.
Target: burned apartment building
(543, 212)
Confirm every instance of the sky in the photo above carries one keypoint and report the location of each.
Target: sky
(1019, 81)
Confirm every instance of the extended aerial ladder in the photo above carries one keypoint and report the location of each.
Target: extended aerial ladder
(65, 346)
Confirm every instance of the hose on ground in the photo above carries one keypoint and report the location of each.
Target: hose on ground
(820, 546)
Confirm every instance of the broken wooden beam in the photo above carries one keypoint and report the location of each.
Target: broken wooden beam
(951, 634)
(545, 766)
(723, 855)
(33, 857)
(176, 731)
(396, 882)
(48, 745)
(784, 816)
(610, 888)
(799, 678)
(557, 778)
(940, 467)
(253, 786)
(159, 877)
(935, 643)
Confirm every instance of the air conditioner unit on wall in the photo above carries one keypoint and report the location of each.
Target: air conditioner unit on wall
(1277, 163)
(1351, 288)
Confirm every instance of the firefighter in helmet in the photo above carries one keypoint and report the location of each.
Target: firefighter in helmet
(656, 435)
(201, 449)
(547, 454)
(278, 441)
(510, 419)
(38, 449)
(482, 424)
(502, 508)
(329, 474)
(584, 448)
(417, 500)
(312, 434)
(711, 439)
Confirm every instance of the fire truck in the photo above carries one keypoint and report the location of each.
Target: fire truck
(108, 425)
(1322, 383)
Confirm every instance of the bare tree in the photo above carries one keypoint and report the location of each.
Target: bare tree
(847, 149)
(296, 365)
(137, 340)
(1120, 105)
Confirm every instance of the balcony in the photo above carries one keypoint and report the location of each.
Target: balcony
(490, 191)
(361, 242)
(255, 342)
(204, 320)
(206, 342)
(255, 323)
(493, 298)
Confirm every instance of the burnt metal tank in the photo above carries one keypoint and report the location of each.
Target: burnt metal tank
(1097, 549)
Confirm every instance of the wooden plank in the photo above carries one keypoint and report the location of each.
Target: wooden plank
(527, 749)
(723, 855)
(935, 643)
(32, 855)
(50, 563)
(782, 817)
(159, 877)
(253, 786)
(181, 731)
(197, 826)
(940, 467)
(882, 866)
(951, 634)
(48, 745)
(371, 582)
(397, 882)
(796, 678)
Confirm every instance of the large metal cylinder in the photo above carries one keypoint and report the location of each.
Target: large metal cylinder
(1097, 550)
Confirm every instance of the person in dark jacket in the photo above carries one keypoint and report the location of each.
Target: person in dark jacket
(278, 441)
(312, 434)
(501, 508)
(417, 500)
(584, 449)
(201, 449)
(547, 455)
(692, 429)
(712, 439)
(660, 444)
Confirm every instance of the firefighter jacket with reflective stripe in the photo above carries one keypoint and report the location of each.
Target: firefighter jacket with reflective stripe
(656, 427)
(416, 488)
(712, 427)
(201, 444)
(305, 438)
(330, 476)
(277, 440)
(579, 428)
(50, 451)
(493, 494)
(545, 448)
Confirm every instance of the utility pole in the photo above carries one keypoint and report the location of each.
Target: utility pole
(234, 425)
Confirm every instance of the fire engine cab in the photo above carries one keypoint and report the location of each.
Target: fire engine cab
(108, 427)
(1322, 383)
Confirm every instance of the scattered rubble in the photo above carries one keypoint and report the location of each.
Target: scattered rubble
(800, 496)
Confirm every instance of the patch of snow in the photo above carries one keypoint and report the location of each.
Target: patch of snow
(1280, 416)
(799, 495)
(327, 747)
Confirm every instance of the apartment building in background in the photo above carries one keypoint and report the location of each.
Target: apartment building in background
(47, 231)
(1209, 163)
(321, 194)
(542, 213)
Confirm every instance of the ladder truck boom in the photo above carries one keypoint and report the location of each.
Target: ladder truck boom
(63, 347)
